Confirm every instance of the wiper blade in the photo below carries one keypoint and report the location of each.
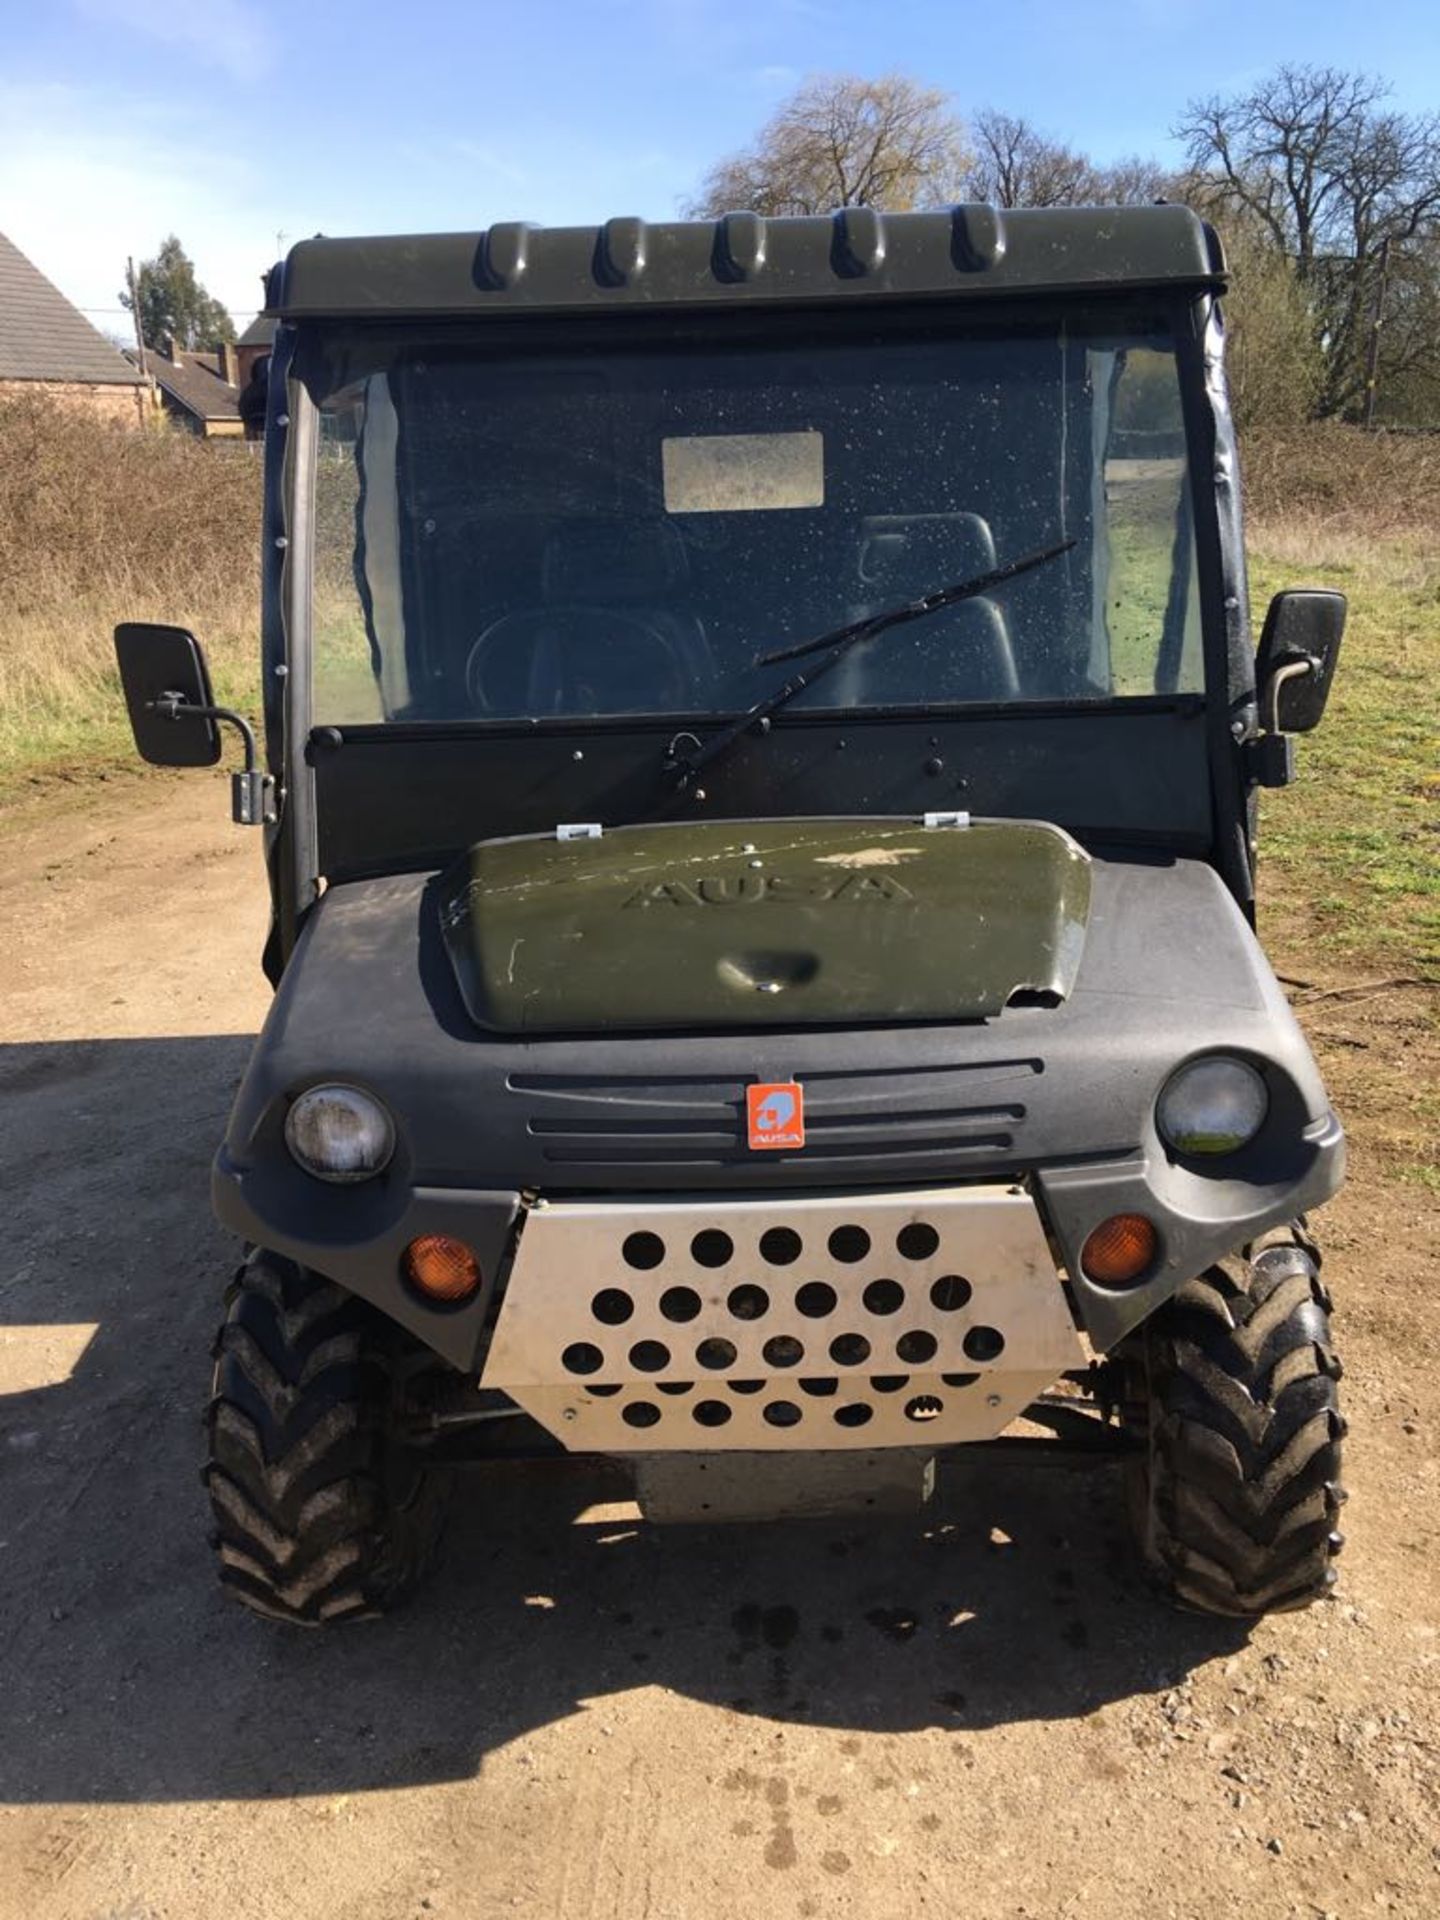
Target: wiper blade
(839, 642)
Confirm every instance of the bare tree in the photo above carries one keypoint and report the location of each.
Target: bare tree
(839, 141)
(1345, 189)
(1133, 182)
(1017, 166)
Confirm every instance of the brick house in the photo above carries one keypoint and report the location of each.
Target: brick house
(48, 346)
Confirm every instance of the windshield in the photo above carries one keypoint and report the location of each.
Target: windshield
(544, 533)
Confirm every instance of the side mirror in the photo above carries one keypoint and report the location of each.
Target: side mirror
(1299, 647)
(163, 672)
(173, 713)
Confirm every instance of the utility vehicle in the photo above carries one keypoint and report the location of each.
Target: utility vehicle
(761, 741)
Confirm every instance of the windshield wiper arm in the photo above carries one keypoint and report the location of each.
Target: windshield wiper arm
(839, 642)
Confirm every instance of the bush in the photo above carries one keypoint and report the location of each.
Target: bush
(103, 523)
(1374, 484)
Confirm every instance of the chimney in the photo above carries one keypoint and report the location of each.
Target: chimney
(229, 363)
(172, 351)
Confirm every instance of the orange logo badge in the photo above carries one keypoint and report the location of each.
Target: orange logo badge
(776, 1114)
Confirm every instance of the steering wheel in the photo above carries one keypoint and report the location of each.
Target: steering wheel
(576, 660)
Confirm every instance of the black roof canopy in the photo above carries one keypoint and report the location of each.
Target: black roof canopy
(966, 251)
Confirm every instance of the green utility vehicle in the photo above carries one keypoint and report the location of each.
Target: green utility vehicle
(761, 740)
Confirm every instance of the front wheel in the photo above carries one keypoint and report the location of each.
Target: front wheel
(321, 1512)
(1232, 1390)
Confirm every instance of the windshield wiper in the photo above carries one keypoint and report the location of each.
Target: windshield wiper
(839, 642)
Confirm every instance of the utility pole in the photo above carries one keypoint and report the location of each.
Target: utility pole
(1372, 357)
(130, 281)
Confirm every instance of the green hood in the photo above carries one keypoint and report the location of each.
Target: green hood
(778, 923)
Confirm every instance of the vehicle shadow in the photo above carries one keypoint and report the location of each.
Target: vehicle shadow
(126, 1676)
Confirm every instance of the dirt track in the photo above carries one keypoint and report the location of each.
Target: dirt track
(978, 1714)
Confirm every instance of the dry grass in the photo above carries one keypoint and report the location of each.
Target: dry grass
(1341, 480)
(100, 524)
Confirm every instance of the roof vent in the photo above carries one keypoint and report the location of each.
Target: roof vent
(858, 247)
(977, 237)
(739, 252)
(503, 255)
(620, 252)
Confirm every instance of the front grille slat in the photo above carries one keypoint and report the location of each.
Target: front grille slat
(914, 1113)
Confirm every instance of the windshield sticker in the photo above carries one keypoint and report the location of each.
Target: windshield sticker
(776, 1113)
(743, 472)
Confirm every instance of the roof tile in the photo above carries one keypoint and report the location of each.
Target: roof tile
(42, 337)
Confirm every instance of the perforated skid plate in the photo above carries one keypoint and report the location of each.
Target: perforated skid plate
(892, 1320)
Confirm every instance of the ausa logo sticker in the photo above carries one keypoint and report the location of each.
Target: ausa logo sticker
(776, 1113)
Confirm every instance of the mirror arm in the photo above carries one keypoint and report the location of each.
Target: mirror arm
(250, 790)
(1277, 680)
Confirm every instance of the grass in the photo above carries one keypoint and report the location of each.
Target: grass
(1358, 835)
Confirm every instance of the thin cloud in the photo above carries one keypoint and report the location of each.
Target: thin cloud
(228, 34)
(86, 178)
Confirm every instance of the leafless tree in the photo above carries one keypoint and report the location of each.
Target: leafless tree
(840, 141)
(1133, 182)
(1016, 165)
(1345, 189)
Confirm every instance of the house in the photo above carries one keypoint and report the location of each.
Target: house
(199, 391)
(254, 344)
(48, 346)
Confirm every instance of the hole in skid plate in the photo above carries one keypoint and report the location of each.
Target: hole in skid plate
(643, 1251)
(613, 1306)
(950, 1293)
(858, 1415)
(680, 1303)
(889, 1382)
(649, 1356)
(915, 1348)
(640, 1413)
(715, 1354)
(784, 1350)
(601, 1393)
(918, 1241)
(815, 1299)
(849, 1349)
(849, 1244)
(674, 1386)
(883, 1296)
(925, 1406)
(711, 1248)
(780, 1246)
(821, 1389)
(782, 1413)
(581, 1357)
(745, 1386)
(710, 1413)
(984, 1343)
(748, 1302)
(959, 1379)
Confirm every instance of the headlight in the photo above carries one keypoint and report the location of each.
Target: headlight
(1211, 1106)
(339, 1133)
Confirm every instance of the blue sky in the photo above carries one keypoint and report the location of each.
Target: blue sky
(234, 121)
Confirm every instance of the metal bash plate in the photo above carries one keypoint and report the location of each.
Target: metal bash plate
(891, 1320)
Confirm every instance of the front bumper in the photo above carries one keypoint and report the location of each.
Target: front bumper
(357, 1235)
